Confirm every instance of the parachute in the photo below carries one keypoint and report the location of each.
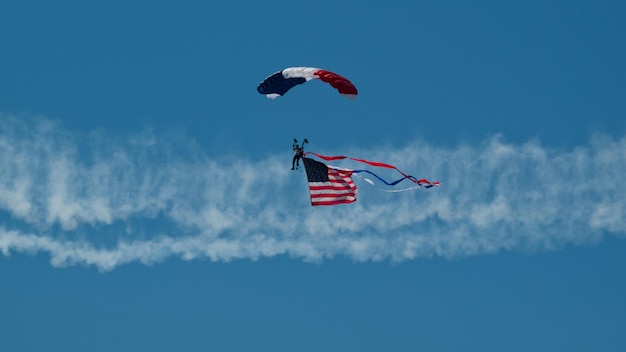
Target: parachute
(282, 81)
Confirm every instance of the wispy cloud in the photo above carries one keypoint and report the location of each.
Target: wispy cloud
(104, 200)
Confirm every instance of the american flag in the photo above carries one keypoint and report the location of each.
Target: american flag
(329, 186)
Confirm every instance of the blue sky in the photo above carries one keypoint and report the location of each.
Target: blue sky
(146, 200)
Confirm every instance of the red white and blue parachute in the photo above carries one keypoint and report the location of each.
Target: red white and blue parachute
(282, 81)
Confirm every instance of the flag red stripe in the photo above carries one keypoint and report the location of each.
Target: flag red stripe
(332, 195)
(328, 188)
(335, 202)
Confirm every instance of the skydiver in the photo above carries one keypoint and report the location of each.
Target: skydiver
(298, 153)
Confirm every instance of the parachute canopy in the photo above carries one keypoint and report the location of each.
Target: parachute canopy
(282, 81)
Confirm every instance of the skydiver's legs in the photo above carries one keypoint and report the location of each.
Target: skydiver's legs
(295, 162)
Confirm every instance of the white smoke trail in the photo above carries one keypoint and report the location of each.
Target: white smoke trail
(105, 201)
